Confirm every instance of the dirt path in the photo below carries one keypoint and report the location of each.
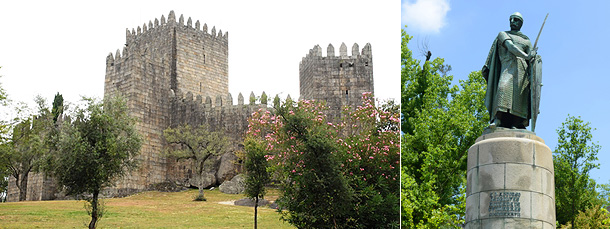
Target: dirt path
(230, 202)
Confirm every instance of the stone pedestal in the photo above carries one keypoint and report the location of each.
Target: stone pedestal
(510, 181)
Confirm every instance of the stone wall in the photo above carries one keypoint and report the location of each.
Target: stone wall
(201, 60)
(220, 115)
(161, 59)
(172, 72)
(143, 75)
(338, 80)
(40, 187)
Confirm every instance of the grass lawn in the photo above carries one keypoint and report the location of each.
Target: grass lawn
(143, 210)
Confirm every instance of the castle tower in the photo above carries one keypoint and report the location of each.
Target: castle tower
(159, 59)
(338, 80)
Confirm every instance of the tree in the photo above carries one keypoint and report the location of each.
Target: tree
(333, 175)
(58, 106)
(595, 217)
(440, 122)
(22, 154)
(4, 174)
(256, 172)
(321, 192)
(264, 98)
(94, 150)
(574, 157)
(197, 144)
(4, 171)
(3, 95)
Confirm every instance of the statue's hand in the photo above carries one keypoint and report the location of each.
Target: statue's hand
(531, 55)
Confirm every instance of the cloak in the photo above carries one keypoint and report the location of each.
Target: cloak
(494, 70)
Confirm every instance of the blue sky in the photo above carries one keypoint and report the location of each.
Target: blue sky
(573, 45)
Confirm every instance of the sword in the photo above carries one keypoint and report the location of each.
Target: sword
(535, 107)
(536, 43)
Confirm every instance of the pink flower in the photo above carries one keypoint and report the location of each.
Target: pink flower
(361, 169)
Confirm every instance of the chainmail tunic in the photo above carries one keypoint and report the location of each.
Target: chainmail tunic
(513, 86)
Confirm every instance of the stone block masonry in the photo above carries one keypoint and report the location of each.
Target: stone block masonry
(159, 61)
(338, 80)
(174, 72)
(220, 115)
(510, 181)
(40, 187)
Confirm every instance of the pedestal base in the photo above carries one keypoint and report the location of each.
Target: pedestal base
(510, 181)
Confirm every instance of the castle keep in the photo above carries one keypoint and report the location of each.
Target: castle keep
(338, 80)
(173, 72)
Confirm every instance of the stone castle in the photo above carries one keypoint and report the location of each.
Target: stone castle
(173, 72)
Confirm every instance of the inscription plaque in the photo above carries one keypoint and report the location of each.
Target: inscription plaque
(504, 204)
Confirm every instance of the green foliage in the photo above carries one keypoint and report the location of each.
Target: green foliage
(333, 175)
(23, 153)
(603, 195)
(276, 101)
(439, 123)
(257, 175)
(4, 174)
(256, 169)
(264, 98)
(94, 150)
(58, 106)
(252, 100)
(4, 169)
(595, 217)
(319, 194)
(195, 144)
(3, 95)
(199, 197)
(574, 157)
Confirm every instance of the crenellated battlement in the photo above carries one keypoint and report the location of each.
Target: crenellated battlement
(162, 33)
(172, 71)
(191, 58)
(339, 79)
(151, 27)
(219, 101)
(316, 52)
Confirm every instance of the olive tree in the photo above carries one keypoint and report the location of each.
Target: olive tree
(95, 149)
(197, 144)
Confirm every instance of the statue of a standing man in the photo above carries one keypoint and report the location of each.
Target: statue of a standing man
(508, 76)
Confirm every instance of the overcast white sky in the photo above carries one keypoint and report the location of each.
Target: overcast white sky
(61, 46)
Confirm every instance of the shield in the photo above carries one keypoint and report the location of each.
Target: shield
(536, 87)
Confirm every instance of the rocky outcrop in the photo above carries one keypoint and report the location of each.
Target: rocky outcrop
(250, 202)
(209, 180)
(227, 168)
(236, 185)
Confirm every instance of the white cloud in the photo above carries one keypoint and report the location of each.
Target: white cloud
(427, 16)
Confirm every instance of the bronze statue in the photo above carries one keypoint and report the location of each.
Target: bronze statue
(512, 72)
